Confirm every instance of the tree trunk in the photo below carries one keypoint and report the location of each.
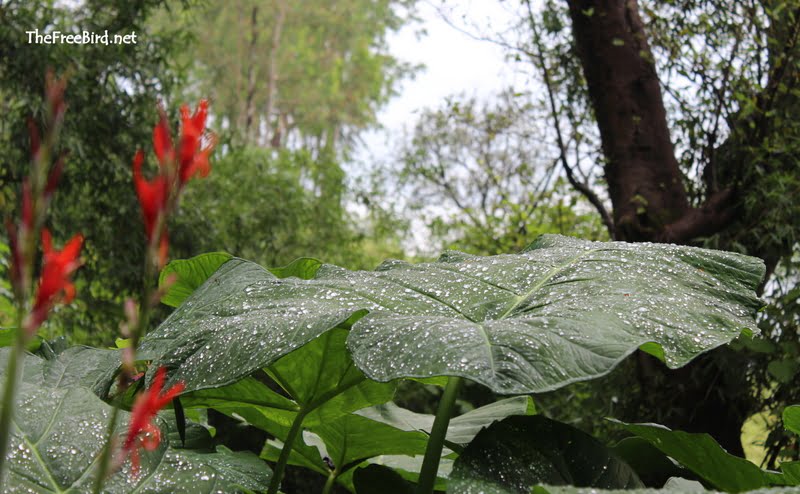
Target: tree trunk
(272, 78)
(644, 179)
(250, 107)
(649, 199)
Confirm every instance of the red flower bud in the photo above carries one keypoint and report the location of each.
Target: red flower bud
(162, 141)
(54, 283)
(153, 195)
(193, 155)
(142, 432)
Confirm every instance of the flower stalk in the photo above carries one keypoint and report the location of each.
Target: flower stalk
(54, 284)
(158, 198)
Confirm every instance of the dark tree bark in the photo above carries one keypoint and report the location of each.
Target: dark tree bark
(649, 198)
(644, 179)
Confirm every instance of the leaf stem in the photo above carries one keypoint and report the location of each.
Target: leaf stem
(105, 457)
(330, 482)
(433, 452)
(277, 472)
(9, 393)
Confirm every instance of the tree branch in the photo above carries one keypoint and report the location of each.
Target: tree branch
(583, 188)
(710, 218)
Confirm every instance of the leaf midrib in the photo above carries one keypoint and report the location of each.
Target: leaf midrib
(39, 459)
(547, 277)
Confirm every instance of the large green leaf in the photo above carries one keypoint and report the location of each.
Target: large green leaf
(353, 437)
(320, 379)
(652, 466)
(701, 454)
(396, 435)
(462, 429)
(59, 429)
(562, 311)
(75, 366)
(58, 434)
(302, 454)
(791, 472)
(342, 443)
(675, 486)
(304, 268)
(188, 275)
(323, 380)
(518, 453)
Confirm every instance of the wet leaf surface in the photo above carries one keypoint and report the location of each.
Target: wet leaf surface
(59, 428)
(564, 310)
(319, 379)
(518, 453)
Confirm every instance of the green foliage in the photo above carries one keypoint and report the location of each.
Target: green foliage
(54, 443)
(774, 373)
(280, 210)
(480, 187)
(7, 309)
(112, 94)
(702, 455)
(182, 277)
(272, 349)
(791, 419)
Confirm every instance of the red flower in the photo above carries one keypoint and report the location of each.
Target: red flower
(153, 197)
(194, 157)
(162, 141)
(142, 432)
(55, 283)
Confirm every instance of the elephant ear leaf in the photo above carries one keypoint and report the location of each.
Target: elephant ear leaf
(564, 310)
(180, 278)
(59, 428)
(703, 456)
(521, 452)
(57, 437)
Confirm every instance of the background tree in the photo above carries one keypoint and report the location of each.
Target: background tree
(687, 112)
(481, 182)
(257, 205)
(309, 79)
(728, 76)
(112, 92)
(293, 86)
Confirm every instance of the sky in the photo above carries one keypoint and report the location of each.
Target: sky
(453, 63)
